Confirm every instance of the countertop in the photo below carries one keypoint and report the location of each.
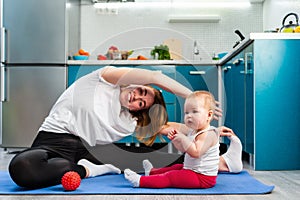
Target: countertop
(257, 36)
(143, 62)
(243, 44)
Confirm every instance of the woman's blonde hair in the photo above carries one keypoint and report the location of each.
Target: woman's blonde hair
(151, 120)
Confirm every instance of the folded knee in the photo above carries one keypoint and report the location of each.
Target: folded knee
(22, 167)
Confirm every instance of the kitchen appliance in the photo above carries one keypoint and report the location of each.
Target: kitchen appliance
(34, 50)
(242, 37)
(290, 27)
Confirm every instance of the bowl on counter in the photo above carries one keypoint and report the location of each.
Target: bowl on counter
(221, 55)
(80, 57)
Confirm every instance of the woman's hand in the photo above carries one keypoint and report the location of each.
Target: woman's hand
(166, 129)
(225, 131)
(218, 111)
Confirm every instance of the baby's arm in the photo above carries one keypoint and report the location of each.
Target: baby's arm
(194, 148)
(179, 140)
(202, 143)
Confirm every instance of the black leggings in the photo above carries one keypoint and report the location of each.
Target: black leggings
(49, 158)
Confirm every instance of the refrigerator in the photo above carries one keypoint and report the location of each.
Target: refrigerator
(34, 50)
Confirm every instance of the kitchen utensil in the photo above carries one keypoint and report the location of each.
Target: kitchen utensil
(290, 27)
(175, 48)
(241, 37)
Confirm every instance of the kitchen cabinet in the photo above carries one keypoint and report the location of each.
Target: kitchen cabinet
(261, 85)
(196, 78)
(238, 110)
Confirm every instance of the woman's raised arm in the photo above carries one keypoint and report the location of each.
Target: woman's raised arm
(126, 76)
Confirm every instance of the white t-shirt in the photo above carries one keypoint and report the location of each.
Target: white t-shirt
(208, 163)
(90, 108)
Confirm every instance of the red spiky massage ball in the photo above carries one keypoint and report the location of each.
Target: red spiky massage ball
(70, 180)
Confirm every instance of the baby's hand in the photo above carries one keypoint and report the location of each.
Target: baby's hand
(172, 134)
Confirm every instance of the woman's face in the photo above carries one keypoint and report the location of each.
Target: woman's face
(137, 97)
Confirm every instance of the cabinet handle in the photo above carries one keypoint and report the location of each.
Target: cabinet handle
(2, 83)
(197, 72)
(226, 68)
(248, 60)
(2, 60)
(238, 61)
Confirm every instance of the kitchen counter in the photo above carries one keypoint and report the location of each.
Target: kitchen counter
(275, 36)
(143, 62)
(243, 44)
(256, 36)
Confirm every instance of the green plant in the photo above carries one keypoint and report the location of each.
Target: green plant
(162, 51)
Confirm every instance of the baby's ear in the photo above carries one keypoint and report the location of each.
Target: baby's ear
(210, 114)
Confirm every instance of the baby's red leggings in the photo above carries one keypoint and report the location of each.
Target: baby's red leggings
(177, 177)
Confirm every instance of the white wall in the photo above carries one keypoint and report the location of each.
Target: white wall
(276, 10)
(130, 29)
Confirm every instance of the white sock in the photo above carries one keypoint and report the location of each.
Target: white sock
(132, 177)
(147, 167)
(96, 170)
(233, 156)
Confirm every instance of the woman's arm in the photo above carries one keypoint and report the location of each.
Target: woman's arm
(126, 76)
(171, 126)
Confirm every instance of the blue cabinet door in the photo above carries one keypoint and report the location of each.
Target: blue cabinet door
(234, 105)
(238, 106)
(196, 78)
(77, 71)
(277, 107)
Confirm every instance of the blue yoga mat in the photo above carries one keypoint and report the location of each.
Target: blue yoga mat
(227, 183)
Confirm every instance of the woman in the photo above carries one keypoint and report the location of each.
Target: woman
(99, 108)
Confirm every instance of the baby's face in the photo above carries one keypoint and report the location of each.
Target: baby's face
(196, 116)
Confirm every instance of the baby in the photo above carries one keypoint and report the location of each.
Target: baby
(200, 145)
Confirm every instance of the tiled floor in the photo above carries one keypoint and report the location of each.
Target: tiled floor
(287, 185)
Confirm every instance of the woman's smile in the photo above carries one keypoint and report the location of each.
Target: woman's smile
(137, 98)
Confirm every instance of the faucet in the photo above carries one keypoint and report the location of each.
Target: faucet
(196, 50)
